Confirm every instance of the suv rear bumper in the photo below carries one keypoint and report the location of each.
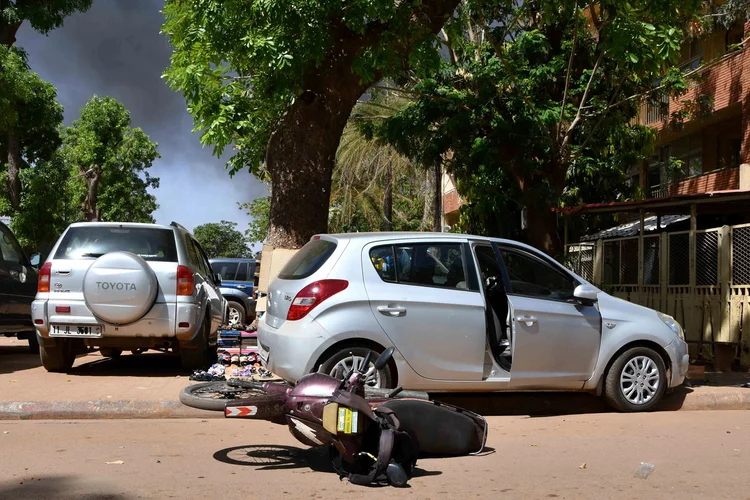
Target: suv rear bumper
(161, 323)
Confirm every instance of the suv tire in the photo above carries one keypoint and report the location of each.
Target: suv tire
(58, 358)
(386, 375)
(110, 352)
(240, 313)
(643, 366)
(198, 357)
(33, 343)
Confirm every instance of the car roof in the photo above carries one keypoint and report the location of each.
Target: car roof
(232, 259)
(379, 236)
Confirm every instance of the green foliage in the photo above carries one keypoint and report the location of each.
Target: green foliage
(28, 108)
(260, 210)
(46, 206)
(222, 240)
(241, 64)
(43, 15)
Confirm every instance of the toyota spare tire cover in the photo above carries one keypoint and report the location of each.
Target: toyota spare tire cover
(120, 288)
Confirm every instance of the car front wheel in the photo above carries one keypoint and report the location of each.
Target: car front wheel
(236, 315)
(636, 381)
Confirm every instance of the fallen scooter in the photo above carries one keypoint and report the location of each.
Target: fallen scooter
(375, 436)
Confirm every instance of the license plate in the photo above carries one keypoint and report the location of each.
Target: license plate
(76, 330)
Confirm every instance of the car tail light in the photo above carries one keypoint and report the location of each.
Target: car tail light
(185, 281)
(312, 295)
(45, 274)
(62, 309)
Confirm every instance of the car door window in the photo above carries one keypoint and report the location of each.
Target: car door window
(385, 262)
(203, 264)
(531, 276)
(242, 272)
(488, 266)
(10, 251)
(227, 270)
(431, 264)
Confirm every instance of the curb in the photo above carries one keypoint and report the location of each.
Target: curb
(89, 410)
(725, 400)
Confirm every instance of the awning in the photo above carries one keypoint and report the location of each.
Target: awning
(632, 228)
(713, 202)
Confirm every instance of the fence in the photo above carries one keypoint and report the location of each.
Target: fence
(702, 278)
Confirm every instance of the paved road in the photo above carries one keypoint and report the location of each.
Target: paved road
(696, 454)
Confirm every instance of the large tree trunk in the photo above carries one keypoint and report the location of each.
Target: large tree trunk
(301, 151)
(388, 199)
(8, 33)
(90, 209)
(14, 170)
(429, 201)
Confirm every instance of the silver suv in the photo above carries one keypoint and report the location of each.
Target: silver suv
(126, 286)
(465, 313)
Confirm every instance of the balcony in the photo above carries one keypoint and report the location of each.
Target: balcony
(727, 179)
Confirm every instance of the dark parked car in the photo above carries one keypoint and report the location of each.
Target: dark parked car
(18, 281)
(237, 278)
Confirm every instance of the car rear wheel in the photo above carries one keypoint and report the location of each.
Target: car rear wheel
(110, 352)
(58, 358)
(236, 314)
(636, 381)
(342, 362)
(33, 344)
(199, 356)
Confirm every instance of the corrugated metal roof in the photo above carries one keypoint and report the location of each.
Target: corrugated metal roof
(632, 228)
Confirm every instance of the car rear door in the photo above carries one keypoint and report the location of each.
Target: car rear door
(425, 295)
(556, 339)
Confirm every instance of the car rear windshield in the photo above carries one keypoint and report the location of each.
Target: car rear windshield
(308, 260)
(151, 244)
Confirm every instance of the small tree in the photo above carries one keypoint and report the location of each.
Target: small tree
(260, 210)
(108, 157)
(222, 240)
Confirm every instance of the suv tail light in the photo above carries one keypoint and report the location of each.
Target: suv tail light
(185, 281)
(45, 274)
(312, 295)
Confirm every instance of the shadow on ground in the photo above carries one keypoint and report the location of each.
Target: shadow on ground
(545, 404)
(150, 364)
(278, 457)
(57, 487)
(17, 357)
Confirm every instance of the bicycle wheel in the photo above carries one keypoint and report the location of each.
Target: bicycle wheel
(214, 396)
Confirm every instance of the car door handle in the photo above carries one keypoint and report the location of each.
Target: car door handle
(241, 287)
(392, 310)
(13, 273)
(528, 320)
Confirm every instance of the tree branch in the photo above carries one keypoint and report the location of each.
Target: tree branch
(570, 65)
(377, 105)
(601, 119)
(577, 119)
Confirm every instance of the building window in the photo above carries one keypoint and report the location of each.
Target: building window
(689, 150)
(691, 54)
(657, 171)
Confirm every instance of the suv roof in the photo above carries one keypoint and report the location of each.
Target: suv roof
(233, 259)
(123, 224)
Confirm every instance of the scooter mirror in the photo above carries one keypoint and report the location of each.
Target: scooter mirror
(384, 358)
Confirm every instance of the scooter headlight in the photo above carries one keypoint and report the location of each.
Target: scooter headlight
(673, 325)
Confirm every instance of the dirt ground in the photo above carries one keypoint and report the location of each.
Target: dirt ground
(695, 454)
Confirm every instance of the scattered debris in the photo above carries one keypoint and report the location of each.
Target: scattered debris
(6, 432)
(746, 385)
(116, 462)
(13, 381)
(582, 466)
(533, 445)
(644, 470)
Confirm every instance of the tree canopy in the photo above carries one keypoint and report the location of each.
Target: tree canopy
(43, 15)
(222, 240)
(277, 81)
(535, 105)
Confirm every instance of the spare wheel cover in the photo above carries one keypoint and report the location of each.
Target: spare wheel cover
(120, 288)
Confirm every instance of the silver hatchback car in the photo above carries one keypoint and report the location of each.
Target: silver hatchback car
(464, 313)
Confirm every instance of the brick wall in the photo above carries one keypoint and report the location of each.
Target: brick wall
(451, 202)
(721, 180)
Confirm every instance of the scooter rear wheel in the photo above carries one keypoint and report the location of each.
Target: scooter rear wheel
(213, 396)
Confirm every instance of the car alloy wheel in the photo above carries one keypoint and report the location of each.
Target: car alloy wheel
(345, 366)
(640, 380)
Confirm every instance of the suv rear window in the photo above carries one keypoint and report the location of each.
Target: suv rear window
(151, 244)
(308, 260)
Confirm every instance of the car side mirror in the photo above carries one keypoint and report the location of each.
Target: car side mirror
(217, 279)
(35, 260)
(586, 295)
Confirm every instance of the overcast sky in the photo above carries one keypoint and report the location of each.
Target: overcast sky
(115, 50)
